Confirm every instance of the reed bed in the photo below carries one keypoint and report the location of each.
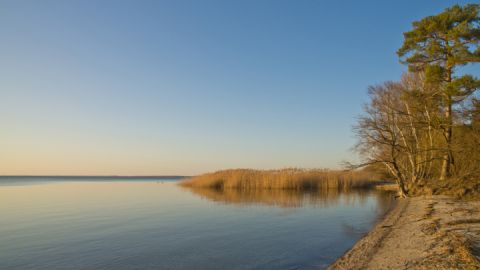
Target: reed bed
(292, 179)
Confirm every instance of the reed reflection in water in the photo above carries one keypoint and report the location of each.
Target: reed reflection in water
(293, 198)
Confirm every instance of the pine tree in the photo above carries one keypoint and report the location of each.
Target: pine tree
(438, 45)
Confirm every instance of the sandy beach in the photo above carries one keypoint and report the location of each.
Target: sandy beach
(435, 232)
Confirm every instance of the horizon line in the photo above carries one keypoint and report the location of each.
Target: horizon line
(118, 176)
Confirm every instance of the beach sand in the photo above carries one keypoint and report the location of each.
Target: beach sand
(435, 232)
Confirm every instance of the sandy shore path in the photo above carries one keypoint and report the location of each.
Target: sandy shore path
(420, 233)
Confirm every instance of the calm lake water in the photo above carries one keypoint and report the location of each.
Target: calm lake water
(110, 223)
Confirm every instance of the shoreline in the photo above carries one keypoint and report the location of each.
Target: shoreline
(435, 232)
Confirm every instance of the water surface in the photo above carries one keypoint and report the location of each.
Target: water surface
(107, 223)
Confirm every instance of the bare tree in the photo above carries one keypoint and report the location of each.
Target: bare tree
(399, 130)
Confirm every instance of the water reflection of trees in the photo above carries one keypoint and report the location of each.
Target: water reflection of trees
(294, 198)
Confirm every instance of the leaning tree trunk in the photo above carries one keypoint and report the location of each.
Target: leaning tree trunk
(399, 178)
(403, 192)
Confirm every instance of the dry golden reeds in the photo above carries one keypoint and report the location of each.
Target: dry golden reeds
(294, 179)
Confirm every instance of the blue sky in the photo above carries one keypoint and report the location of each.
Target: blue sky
(185, 87)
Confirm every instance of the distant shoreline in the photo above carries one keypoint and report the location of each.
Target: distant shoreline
(99, 176)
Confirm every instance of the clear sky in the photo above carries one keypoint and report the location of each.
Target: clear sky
(185, 87)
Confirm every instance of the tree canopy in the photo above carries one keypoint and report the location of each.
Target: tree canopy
(437, 44)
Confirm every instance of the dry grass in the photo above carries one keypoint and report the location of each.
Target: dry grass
(465, 189)
(464, 221)
(293, 179)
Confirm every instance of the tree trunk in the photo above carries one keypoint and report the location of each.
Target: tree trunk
(403, 192)
(448, 156)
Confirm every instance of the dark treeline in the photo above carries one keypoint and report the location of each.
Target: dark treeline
(423, 131)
